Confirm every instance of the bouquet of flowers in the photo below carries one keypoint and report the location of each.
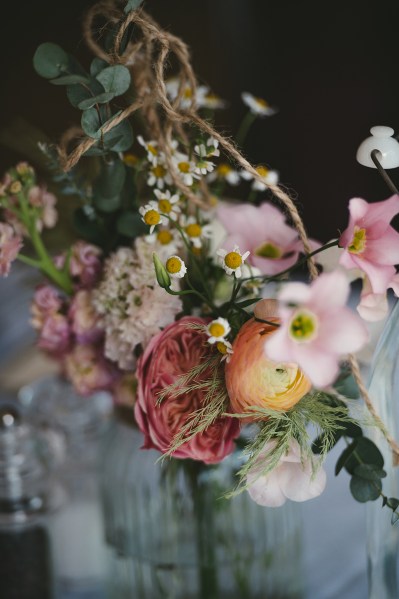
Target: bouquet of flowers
(178, 301)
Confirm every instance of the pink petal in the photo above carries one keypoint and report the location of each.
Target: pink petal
(297, 483)
(296, 293)
(343, 333)
(358, 209)
(329, 291)
(269, 266)
(320, 366)
(380, 276)
(279, 347)
(384, 250)
(380, 211)
(373, 307)
(266, 489)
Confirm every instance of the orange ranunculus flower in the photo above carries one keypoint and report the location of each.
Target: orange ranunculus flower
(254, 380)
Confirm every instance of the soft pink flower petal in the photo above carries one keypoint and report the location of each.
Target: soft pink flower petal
(379, 276)
(296, 293)
(265, 490)
(343, 333)
(298, 483)
(329, 291)
(373, 306)
(380, 211)
(384, 250)
(320, 366)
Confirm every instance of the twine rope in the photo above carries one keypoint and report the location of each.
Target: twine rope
(147, 59)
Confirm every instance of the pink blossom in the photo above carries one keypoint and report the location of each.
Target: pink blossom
(45, 201)
(88, 370)
(10, 244)
(292, 478)
(84, 318)
(316, 327)
(171, 353)
(85, 263)
(370, 243)
(55, 335)
(45, 301)
(273, 245)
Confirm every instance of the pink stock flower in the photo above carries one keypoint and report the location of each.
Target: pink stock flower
(10, 244)
(273, 245)
(55, 335)
(316, 327)
(45, 201)
(46, 301)
(88, 370)
(85, 263)
(370, 243)
(84, 318)
(171, 353)
(292, 478)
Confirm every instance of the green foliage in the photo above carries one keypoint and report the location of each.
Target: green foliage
(120, 138)
(89, 227)
(364, 490)
(97, 65)
(346, 385)
(79, 93)
(133, 5)
(102, 98)
(115, 79)
(161, 273)
(50, 61)
(130, 224)
(70, 80)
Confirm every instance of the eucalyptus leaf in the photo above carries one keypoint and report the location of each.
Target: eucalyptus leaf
(70, 80)
(100, 99)
(365, 490)
(365, 452)
(91, 123)
(96, 150)
(78, 93)
(393, 503)
(107, 204)
(133, 5)
(115, 79)
(90, 229)
(347, 386)
(97, 65)
(394, 518)
(369, 472)
(50, 60)
(111, 179)
(120, 138)
(344, 457)
(130, 225)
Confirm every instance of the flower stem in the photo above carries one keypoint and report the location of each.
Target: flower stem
(244, 128)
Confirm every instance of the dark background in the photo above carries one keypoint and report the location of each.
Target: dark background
(330, 67)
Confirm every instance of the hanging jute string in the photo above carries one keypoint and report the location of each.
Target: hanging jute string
(147, 60)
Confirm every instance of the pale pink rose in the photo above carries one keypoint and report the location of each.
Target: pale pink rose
(316, 327)
(273, 245)
(46, 300)
(171, 353)
(370, 243)
(84, 319)
(88, 370)
(55, 335)
(292, 478)
(10, 244)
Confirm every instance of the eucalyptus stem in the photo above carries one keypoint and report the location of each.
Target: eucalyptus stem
(244, 128)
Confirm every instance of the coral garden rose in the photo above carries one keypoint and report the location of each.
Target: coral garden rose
(254, 380)
(171, 353)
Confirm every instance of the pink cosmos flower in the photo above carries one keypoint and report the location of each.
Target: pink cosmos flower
(273, 245)
(370, 243)
(55, 335)
(84, 318)
(46, 301)
(316, 327)
(292, 478)
(10, 244)
(173, 352)
(88, 370)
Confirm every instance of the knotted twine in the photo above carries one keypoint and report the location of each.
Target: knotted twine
(147, 58)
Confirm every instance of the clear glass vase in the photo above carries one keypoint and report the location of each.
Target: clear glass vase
(172, 535)
(382, 536)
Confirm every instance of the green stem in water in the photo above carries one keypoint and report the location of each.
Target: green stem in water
(244, 128)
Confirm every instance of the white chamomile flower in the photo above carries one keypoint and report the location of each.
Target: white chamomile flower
(158, 176)
(173, 89)
(150, 215)
(186, 169)
(168, 204)
(176, 267)
(233, 261)
(207, 99)
(257, 106)
(217, 330)
(196, 232)
(267, 176)
(224, 172)
(167, 240)
(151, 149)
(253, 286)
(225, 348)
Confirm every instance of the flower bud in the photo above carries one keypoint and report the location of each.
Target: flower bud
(161, 273)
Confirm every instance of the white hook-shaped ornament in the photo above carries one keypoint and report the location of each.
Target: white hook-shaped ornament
(387, 147)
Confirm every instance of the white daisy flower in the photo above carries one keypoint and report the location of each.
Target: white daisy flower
(225, 348)
(172, 89)
(224, 172)
(176, 267)
(209, 149)
(151, 148)
(150, 215)
(186, 169)
(207, 99)
(196, 232)
(158, 176)
(232, 262)
(269, 177)
(167, 240)
(217, 330)
(257, 106)
(167, 204)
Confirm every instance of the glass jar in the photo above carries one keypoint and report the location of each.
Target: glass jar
(172, 535)
(382, 536)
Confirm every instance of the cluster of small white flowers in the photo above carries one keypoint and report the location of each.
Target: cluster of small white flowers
(132, 306)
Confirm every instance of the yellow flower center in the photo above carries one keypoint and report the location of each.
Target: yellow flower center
(262, 102)
(173, 265)
(164, 237)
(184, 167)
(194, 230)
(159, 171)
(188, 93)
(15, 187)
(152, 150)
(268, 250)
(211, 97)
(216, 329)
(262, 171)
(221, 347)
(130, 159)
(165, 206)
(223, 169)
(233, 260)
(359, 241)
(152, 217)
(303, 326)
